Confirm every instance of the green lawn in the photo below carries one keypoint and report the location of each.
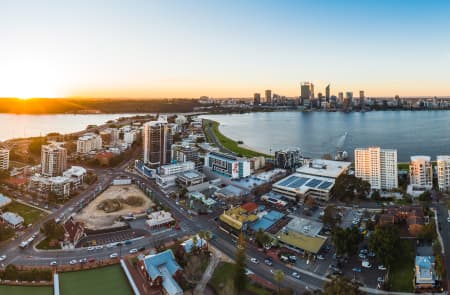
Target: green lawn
(109, 280)
(29, 214)
(44, 245)
(224, 272)
(231, 144)
(20, 290)
(401, 273)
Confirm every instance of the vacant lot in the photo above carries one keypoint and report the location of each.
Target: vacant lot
(20, 290)
(95, 218)
(29, 214)
(107, 280)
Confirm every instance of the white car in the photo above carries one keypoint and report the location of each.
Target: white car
(320, 257)
(3, 257)
(132, 251)
(254, 260)
(90, 248)
(366, 264)
(53, 263)
(110, 245)
(381, 267)
(73, 261)
(296, 275)
(448, 219)
(113, 255)
(98, 247)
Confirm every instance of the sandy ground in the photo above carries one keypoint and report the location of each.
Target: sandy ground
(96, 219)
(251, 148)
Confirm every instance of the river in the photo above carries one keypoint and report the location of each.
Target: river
(318, 133)
(14, 126)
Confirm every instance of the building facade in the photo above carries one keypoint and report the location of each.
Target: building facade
(89, 142)
(227, 165)
(184, 153)
(377, 166)
(4, 159)
(443, 173)
(268, 96)
(256, 98)
(53, 159)
(157, 141)
(421, 172)
(306, 93)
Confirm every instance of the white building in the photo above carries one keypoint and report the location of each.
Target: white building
(76, 174)
(443, 173)
(4, 159)
(53, 159)
(421, 172)
(159, 219)
(89, 142)
(168, 174)
(12, 219)
(180, 120)
(377, 166)
(59, 185)
(228, 165)
(130, 137)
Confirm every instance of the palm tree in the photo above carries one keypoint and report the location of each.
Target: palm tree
(208, 236)
(194, 244)
(279, 277)
(201, 235)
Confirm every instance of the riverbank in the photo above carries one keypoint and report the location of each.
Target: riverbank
(228, 143)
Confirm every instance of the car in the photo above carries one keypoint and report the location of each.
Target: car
(128, 242)
(357, 269)
(132, 251)
(3, 257)
(254, 260)
(114, 255)
(448, 219)
(110, 245)
(362, 256)
(364, 251)
(381, 267)
(73, 261)
(90, 248)
(380, 280)
(248, 272)
(296, 275)
(82, 260)
(141, 249)
(99, 247)
(268, 262)
(91, 260)
(53, 263)
(320, 257)
(366, 264)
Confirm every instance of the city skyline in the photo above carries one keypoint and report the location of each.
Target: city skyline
(189, 49)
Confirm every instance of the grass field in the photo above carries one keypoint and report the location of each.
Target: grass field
(224, 272)
(20, 290)
(29, 214)
(231, 144)
(44, 245)
(401, 274)
(107, 280)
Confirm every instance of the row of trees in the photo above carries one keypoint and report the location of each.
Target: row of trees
(349, 187)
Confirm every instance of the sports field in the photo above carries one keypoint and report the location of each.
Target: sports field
(109, 280)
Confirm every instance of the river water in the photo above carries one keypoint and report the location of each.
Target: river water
(317, 133)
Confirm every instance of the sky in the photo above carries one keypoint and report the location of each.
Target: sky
(154, 49)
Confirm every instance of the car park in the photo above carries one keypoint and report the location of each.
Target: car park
(296, 275)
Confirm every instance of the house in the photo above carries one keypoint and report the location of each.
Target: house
(412, 215)
(12, 219)
(74, 231)
(161, 272)
(425, 274)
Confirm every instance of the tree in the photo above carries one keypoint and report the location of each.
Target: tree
(428, 232)
(193, 270)
(331, 217)
(239, 276)
(425, 196)
(376, 196)
(384, 242)
(208, 236)
(348, 187)
(279, 277)
(5, 232)
(262, 238)
(346, 240)
(53, 230)
(341, 286)
(35, 146)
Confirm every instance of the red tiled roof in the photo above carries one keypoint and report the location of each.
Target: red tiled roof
(250, 206)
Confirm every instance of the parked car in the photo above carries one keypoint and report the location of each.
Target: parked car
(268, 262)
(381, 267)
(320, 257)
(90, 248)
(380, 280)
(73, 261)
(366, 264)
(3, 257)
(254, 260)
(132, 251)
(296, 275)
(362, 256)
(113, 255)
(53, 263)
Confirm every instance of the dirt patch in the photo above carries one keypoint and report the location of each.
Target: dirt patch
(115, 201)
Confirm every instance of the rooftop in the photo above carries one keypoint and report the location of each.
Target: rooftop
(425, 269)
(4, 201)
(421, 158)
(298, 240)
(300, 182)
(230, 191)
(12, 218)
(192, 174)
(267, 219)
(324, 168)
(235, 217)
(304, 226)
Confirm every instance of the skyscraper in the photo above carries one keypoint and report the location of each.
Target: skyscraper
(268, 96)
(327, 93)
(157, 139)
(377, 166)
(4, 159)
(361, 98)
(53, 159)
(306, 93)
(340, 97)
(256, 98)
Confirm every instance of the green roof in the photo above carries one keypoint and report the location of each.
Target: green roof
(298, 240)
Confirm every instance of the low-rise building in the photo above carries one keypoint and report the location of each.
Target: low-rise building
(199, 197)
(161, 272)
(74, 231)
(12, 219)
(76, 174)
(229, 192)
(159, 219)
(190, 178)
(424, 272)
(237, 219)
(167, 174)
(59, 185)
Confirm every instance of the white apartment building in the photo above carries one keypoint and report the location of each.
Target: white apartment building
(53, 159)
(443, 173)
(4, 159)
(421, 172)
(377, 166)
(89, 142)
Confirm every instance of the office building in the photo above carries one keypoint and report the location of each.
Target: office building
(443, 173)
(4, 159)
(340, 97)
(377, 166)
(184, 153)
(256, 99)
(268, 96)
(89, 142)
(288, 159)
(314, 179)
(306, 93)
(53, 159)
(361, 99)
(227, 165)
(157, 142)
(327, 93)
(421, 172)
